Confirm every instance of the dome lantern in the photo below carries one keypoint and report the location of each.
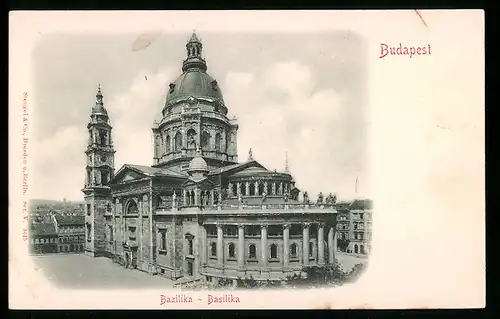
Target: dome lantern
(194, 59)
(198, 164)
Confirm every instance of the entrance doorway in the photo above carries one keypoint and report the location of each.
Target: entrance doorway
(190, 268)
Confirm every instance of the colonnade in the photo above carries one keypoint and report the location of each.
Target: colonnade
(264, 258)
(257, 188)
(198, 197)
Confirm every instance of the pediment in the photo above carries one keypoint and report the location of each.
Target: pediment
(201, 182)
(127, 174)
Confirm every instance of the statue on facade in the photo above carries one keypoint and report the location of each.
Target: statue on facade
(334, 200)
(240, 199)
(192, 142)
(306, 198)
(264, 197)
(320, 198)
(329, 199)
(285, 197)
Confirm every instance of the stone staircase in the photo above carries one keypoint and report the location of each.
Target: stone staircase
(188, 282)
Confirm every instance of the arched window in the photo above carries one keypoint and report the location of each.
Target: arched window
(132, 208)
(178, 142)
(167, 144)
(218, 143)
(213, 249)
(252, 252)
(205, 141)
(293, 251)
(231, 251)
(355, 249)
(311, 247)
(102, 137)
(274, 251)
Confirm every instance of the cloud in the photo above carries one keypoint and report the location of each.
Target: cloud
(57, 164)
(59, 160)
(278, 110)
(133, 113)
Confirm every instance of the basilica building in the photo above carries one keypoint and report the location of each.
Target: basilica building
(198, 213)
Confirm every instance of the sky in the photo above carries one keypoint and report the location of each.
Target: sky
(298, 94)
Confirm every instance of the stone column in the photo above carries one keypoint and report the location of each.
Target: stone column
(247, 189)
(265, 188)
(212, 197)
(230, 189)
(257, 188)
(204, 244)
(263, 247)
(241, 245)
(184, 254)
(238, 188)
(321, 244)
(331, 246)
(305, 248)
(220, 245)
(286, 244)
(280, 190)
(273, 188)
(197, 197)
(184, 197)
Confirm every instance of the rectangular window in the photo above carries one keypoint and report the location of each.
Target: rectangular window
(163, 239)
(275, 231)
(110, 233)
(211, 230)
(252, 231)
(231, 230)
(88, 210)
(190, 245)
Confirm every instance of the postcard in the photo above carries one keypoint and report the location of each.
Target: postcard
(246, 160)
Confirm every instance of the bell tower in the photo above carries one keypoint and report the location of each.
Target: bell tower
(99, 171)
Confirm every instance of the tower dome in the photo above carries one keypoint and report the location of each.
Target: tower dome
(194, 81)
(198, 164)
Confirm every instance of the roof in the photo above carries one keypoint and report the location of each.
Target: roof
(250, 171)
(228, 168)
(343, 205)
(156, 171)
(361, 204)
(40, 229)
(194, 83)
(66, 220)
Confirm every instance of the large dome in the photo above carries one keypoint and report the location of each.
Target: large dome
(195, 83)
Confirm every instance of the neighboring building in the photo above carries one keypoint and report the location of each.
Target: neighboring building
(354, 224)
(43, 238)
(70, 230)
(198, 212)
(343, 224)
